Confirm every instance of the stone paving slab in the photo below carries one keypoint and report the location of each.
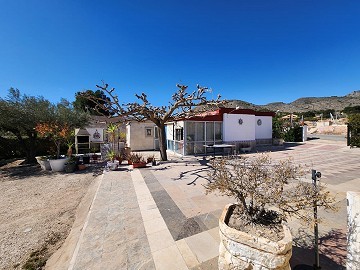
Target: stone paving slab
(114, 236)
(160, 217)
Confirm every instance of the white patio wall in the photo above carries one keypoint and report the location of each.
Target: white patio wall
(353, 248)
(234, 131)
(169, 131)
(263, 131)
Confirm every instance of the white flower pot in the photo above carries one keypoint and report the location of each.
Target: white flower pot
(44, 163)
(113, 165)
(240, 250)
(58, 165)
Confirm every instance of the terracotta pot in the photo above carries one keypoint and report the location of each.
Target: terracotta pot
(139, 165)
(240, 250)
(81, 167)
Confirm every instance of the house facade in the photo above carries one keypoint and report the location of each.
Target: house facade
(142, 136)
(239, 127)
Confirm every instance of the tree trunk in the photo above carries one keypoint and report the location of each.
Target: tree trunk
(28, 146)
(58, 144)
(31, 150)
(162, 142)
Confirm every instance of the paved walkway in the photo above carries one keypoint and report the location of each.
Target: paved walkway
(160, 218)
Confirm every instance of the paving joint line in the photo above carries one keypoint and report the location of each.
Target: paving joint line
(83, 229)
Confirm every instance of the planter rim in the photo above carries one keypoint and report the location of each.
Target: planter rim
(139, 164)
(277, 247)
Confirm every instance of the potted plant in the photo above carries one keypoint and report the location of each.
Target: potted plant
(150, 158)
(57, 133)
(44, 163)
(112, 131)
(119, 157)
(122, 140)
(112, 164)
(70, 165)
(252, 230)
(137, 160)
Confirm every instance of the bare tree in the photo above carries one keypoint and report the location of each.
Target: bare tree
(182, 105)
(258, 184)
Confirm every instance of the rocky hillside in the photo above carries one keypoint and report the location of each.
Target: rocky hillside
(304, 104)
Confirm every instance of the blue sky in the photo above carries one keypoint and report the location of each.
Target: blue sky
(257, 51)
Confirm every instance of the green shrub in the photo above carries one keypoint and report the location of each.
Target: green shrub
(10, 148)
(293, 134)
(354, 130)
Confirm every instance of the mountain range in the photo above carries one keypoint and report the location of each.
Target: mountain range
(338, 103)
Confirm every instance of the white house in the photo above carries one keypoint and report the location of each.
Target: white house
(142, 136)
(239, 127)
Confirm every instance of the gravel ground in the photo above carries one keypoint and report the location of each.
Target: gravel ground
(37, 210)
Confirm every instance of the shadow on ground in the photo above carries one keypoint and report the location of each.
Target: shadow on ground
(332, 250)
(19, 170)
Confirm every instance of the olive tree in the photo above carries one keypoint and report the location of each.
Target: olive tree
(260, 184)
(18, 117)
(183, 104)
(20, 114)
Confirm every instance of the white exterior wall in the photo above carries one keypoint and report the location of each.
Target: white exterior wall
(353, 213)
(137, 138)
(233, 131)
(304, 133)
(264, 131)
(170, 131)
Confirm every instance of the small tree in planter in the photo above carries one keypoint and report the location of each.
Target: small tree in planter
(112, 130)
(58, 134)
(112, 164)
(54, 132)
(252, 232)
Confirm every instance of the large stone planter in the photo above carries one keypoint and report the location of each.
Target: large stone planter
(239, 250)
(58, 165)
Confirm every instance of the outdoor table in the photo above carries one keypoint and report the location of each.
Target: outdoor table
(218, 146)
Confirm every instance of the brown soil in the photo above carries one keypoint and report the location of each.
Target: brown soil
(237, 221)
(37, 211)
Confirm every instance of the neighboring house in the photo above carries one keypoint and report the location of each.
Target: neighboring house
(239, 127)
(93, 136)
(142, 136)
